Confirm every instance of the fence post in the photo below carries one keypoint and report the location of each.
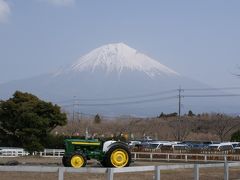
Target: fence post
(226, 171)
(196, 172)
(110, 173)
(151, 157)
(60, 173)
(157, 173)
(205, 158)
(225, 158)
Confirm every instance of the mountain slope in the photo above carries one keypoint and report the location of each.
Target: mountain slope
(99, 81)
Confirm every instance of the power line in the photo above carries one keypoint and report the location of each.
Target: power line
(123, 97)
(124, 103)
(148, 95)
(212, 89)
(130, 102)
(213, 95)
(139, 101)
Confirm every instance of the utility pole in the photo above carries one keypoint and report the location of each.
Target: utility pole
(73, 112)
(78, 112)
(74, 103)
(179, 112)
(179, 101)
(86, 133)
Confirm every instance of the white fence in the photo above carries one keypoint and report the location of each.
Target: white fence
(52, 153)
(15, 152)
(151, 156)
(110, 172)
(12, 152)
(148, 156)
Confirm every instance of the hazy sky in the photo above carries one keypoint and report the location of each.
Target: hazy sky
(197, 38)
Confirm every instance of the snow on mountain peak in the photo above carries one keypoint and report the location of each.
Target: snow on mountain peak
(118, 57)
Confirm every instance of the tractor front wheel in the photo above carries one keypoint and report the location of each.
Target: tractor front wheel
(78, 160)
(66, 161)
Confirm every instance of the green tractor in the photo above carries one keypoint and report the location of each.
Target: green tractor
(108, 153)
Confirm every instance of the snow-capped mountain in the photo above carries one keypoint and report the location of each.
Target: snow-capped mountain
(116, 79)
(117, 58)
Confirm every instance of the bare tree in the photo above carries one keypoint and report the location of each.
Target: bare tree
(180, 129)
(223, 125)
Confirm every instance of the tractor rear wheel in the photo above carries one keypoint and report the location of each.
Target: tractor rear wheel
(117, 156)
(78, 160)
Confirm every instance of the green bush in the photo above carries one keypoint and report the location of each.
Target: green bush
(236, 136)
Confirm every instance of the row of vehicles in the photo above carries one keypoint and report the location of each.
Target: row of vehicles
(185, 146)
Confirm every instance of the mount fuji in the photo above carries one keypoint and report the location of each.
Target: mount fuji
(113, 79)
(115, 58)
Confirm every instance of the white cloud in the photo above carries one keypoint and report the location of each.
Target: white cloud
(60, 2)
(4, 11)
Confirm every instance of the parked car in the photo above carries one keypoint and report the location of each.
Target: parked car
(168, 146)
(147, 138)
(181, 146)
(154, 145)
(132, 144)
(235, 144)
(226, 146)
(236, 147)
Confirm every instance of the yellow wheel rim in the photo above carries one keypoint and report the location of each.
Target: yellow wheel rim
(119, 158)
(77, 161)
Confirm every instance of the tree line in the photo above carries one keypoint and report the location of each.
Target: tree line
(29, 122)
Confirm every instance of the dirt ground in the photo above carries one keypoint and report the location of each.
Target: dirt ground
(180, 174)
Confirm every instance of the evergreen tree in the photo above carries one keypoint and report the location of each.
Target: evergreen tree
(190, 113)
(26, 121)
(236, 136)
(97, 119)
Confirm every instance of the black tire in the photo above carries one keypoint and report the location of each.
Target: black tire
(117, 156)
(103, 163)
(65, 161)
(77, 160)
